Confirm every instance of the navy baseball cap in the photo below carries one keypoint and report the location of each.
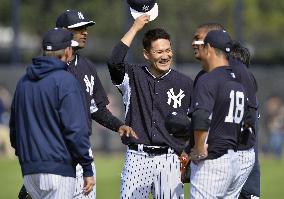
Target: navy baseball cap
(57, 39)
(178, 124)
(140, 7)
(72, 19)
(219, 39)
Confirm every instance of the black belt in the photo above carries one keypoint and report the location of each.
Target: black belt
(157, 150)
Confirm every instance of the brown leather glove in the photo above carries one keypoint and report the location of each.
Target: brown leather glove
(185, 168)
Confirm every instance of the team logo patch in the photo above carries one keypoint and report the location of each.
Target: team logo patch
(176, 99)
(145, 8)
(80, 15)
(89, 84)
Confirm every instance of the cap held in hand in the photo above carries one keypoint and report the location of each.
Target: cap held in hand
(178, 125)
(141, 7)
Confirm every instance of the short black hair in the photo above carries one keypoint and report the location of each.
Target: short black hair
(153, 35)
(212, 26)
(240, 53)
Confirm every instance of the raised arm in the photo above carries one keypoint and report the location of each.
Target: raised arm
(138, 24)
(116, 62)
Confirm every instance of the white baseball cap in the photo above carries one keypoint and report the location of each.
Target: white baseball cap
(141, 7)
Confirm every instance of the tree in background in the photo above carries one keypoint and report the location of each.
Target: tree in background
(263, 23)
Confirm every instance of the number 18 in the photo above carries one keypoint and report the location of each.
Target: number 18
(236, 109)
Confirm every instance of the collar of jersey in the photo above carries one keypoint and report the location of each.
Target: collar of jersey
(75, 60)
(146, 68)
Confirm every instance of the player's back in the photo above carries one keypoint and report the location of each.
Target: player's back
(224, 97)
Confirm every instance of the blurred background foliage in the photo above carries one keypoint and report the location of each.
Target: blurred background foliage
(257, 23)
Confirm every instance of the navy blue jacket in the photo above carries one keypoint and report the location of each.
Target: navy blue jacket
(48, 124)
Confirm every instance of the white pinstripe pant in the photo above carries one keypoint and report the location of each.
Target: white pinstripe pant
(246, 161)
(142, 172)
(49, 186)
(211, 179)
(78, 194)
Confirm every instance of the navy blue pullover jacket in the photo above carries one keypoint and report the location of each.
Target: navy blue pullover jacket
(48, 124)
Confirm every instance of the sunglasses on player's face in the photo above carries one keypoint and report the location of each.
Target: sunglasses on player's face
(198, 43)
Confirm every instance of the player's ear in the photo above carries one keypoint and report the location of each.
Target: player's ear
(146, 54)
(68, 53)
(208, 49)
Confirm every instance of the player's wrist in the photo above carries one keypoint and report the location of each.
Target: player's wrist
(198, 153)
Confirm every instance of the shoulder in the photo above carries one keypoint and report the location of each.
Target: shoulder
(64, 76)
(209, 80)
(209, 76)
(238, 67)
(138, 66)
(180, 76)
(84, 62)
(85, 59)
(138, 69)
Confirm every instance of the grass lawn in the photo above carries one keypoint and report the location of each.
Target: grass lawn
(108, 176)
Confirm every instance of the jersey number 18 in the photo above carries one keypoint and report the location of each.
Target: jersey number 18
(236, 109)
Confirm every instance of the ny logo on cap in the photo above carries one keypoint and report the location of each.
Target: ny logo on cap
(175, 98)
(80, 15)
(145, 8)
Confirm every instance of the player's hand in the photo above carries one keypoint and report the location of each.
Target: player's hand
(127, 131)
(198, 153)
(140, 22)
(89, 183)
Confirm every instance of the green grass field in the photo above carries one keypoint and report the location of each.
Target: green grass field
(108, 176)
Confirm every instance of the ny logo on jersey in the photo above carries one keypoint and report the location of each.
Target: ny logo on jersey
(80, 15)
(233, 75)
(145, 8)
(89, 84)
(175, 98)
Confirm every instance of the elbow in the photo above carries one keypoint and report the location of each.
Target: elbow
(200, 120)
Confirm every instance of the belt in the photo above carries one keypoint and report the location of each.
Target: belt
(156, 150)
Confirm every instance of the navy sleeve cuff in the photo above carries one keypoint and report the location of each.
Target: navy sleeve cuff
(88, 171)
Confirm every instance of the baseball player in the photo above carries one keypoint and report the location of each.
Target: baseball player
(239, 57)
(219, 103)
(150, 93)
(84, 70)
(49, 139)
(251, 188)
(95, 96)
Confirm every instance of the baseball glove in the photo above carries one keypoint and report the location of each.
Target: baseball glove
(23, 194)
(185, 168)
